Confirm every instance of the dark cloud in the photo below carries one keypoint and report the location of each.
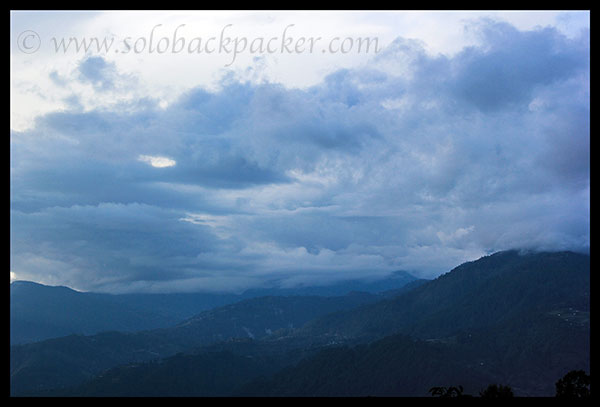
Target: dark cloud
(415, 162)
(514, 64)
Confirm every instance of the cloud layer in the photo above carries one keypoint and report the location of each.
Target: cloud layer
(413, 162)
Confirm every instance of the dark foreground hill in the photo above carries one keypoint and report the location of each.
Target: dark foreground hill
(528, 355)
(215, 370)
(396, 365)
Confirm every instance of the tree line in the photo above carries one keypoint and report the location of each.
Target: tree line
(573, 385)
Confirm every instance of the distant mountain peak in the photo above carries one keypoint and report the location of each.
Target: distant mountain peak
(18, 283)
(35, 285)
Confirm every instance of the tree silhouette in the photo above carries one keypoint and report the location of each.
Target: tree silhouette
(496, 391)
(575, 384)
(445, 392)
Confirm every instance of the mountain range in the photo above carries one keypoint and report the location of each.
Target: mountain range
(516, 318)
(39, 312)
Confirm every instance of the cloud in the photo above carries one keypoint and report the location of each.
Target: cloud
(414, 161)
(157, 161)
(102, 75)
(514, 64)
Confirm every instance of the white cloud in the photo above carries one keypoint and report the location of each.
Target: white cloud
(157, 161)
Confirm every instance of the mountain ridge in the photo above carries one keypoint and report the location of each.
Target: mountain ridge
(41, 311)
(509, 318)
(463, 294)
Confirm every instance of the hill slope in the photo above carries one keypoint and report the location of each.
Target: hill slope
(474, 295)
(529, 355)
(39, 312)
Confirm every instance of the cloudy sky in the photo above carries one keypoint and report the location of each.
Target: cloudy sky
(172, 162)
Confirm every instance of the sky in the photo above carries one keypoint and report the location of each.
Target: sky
(221, 151)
